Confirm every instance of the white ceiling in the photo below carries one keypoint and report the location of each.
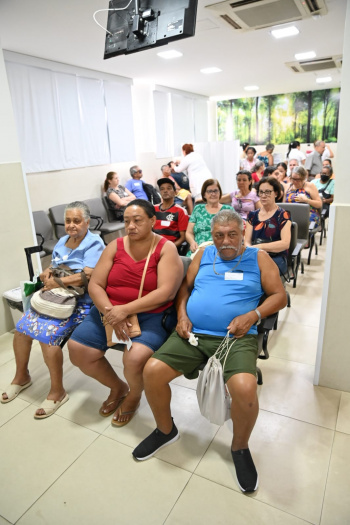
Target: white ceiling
(64, 31)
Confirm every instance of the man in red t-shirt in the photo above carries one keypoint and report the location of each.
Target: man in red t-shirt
(172, 219)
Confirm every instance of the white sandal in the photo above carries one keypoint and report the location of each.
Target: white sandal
(50, 406)
(12, 391)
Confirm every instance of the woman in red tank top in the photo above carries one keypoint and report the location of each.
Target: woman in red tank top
(114, 289)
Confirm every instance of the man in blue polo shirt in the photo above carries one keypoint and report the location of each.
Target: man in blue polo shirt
(135, 184)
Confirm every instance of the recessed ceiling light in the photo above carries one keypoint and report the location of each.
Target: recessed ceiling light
(251, 88)
(323, 80)
(285, 31)
(305, 56)
(169, 54)
(210, 70)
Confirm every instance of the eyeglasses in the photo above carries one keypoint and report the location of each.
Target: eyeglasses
(296, 180)
(213, 192)
(138, 171)
(261, 193)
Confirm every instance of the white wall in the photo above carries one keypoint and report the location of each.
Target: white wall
(16, 226)
(333, 356)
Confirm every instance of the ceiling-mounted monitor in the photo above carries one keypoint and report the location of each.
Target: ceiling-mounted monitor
(142, 24)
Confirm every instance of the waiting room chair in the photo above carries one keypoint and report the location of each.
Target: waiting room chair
(324, 216)
(98, 211)
(57, 218)
(293, 257)
(300, 213)
(44, 230)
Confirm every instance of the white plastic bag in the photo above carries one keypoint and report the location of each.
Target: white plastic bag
(213, 398)
(28, 289)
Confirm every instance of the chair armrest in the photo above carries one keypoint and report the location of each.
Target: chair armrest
(42, 240)
(29, 251)
(297, 249)
(99, 221)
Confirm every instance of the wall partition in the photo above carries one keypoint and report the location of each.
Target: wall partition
(180, 118)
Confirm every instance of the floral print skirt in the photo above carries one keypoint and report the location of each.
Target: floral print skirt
(48, 330)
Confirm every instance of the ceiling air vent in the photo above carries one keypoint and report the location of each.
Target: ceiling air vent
(229, 20)
(307, 66)
(256, 14)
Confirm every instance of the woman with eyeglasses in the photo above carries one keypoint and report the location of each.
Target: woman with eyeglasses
(302, 191)
(245, 198)
(269, 228)
(199, 226)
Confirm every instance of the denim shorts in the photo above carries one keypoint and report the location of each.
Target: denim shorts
(91, 331)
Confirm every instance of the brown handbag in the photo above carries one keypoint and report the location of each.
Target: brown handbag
(134, 329)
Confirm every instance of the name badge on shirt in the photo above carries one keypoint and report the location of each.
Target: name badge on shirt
(233, 276)
(165, 223)
(137, 183)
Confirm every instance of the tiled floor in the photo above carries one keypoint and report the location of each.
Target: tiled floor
(74, 467)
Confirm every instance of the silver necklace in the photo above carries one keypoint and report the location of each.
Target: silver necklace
(234, 267)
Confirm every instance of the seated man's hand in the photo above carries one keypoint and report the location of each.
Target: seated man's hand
(239, 326)
(184, 327)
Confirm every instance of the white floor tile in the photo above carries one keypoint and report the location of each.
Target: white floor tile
(205, 502)
(195, 431)
(292, 460)
(294, 342)
(33, 454)
(343, 423)
(11, 409)
(106, 485)
(6, 352)
(288, 390)
(303, 311)
(336, 508)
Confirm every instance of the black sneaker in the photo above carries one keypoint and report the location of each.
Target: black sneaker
(154, 442)
(247, 476)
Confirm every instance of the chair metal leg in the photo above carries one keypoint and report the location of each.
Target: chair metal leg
(322, 230)
(259, 376)
(288, 299)
(312, 242)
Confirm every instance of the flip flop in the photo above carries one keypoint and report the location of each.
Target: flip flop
(116, 404)
(123, 423)
(50, 406)
(12, 391)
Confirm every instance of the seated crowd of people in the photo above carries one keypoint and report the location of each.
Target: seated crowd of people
(238, 244)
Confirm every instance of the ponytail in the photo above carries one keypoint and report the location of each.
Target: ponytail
(108, 178)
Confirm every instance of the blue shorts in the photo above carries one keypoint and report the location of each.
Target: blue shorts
(92, 333)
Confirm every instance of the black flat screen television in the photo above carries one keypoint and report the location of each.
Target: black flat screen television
(147, 23)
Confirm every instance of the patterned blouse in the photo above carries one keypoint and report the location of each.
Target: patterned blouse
(202, 222)
(270, 229)
(118, 210)
(292, 193)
